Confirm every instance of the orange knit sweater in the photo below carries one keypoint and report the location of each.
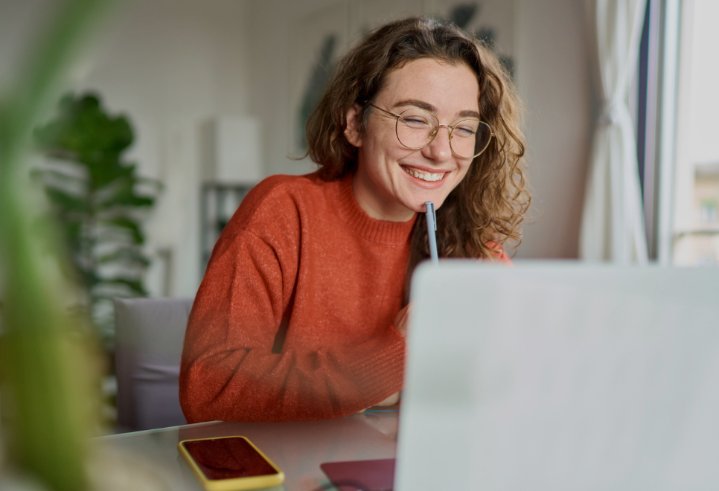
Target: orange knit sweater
(293, 319)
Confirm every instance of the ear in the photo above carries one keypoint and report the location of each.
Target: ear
(353, 126)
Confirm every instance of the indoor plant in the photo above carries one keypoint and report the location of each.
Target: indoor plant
(98, 199)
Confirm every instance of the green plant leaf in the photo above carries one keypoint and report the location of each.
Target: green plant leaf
(58, 176)
(43, 368)
(128, 225)
(66, 202)
(85, 130)
(124, 255)
(129, 200)
(108, 172)
(133, 284)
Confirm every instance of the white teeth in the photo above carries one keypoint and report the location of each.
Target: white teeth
(425, 176)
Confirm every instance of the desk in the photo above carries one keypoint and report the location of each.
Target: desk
(298, 448)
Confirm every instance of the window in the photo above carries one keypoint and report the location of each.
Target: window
(678, 130)
(696, 221)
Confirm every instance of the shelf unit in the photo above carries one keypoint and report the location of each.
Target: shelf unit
(218, 203)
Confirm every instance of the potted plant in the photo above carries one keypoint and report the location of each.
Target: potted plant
(99, 200)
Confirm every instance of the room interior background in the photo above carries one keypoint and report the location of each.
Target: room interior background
(187, 73)
(213, 89)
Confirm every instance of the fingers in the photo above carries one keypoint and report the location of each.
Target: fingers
(400, 322)
(390, 401)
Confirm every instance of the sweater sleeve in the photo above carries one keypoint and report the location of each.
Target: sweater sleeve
(231, 369)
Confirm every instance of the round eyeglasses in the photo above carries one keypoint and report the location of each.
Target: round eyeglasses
(416, 128)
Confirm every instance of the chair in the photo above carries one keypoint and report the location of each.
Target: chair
(149, 337)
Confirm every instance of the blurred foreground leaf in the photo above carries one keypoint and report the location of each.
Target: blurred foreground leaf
(44, 364)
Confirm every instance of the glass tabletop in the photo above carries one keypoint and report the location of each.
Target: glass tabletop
(298, 448)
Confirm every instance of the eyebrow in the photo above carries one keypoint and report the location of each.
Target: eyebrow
(429, 107)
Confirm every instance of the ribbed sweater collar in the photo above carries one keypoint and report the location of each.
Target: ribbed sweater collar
(381, 231)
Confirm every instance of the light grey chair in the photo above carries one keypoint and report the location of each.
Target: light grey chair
(149, 336)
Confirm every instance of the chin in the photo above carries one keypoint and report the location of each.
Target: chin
(418, 207)
(437, 200)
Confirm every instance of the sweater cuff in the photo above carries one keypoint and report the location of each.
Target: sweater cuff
(381, 373)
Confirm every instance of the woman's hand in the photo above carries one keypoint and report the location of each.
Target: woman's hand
(390, 401)
(400, 321)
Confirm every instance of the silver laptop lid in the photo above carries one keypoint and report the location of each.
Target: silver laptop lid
(557, 376)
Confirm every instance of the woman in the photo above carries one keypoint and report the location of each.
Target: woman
(302, 311)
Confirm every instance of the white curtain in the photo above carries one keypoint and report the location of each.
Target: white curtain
(612, 220)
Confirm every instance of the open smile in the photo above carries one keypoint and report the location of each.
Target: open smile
(424, 175)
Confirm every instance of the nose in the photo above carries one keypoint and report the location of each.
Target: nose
(439, 148)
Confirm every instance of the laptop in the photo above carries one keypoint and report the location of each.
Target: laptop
(561, 376)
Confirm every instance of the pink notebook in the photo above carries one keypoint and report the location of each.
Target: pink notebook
(361, 475)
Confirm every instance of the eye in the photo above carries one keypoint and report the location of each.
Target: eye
(466, 129)
(415, 120)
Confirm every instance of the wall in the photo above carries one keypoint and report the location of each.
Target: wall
(170, 65)
(270, 60)
(173, 64)
(553, 77)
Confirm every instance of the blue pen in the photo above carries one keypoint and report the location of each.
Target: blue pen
(431, 218)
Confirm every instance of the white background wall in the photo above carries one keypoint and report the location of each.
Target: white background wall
(172, 65)
(553, 77)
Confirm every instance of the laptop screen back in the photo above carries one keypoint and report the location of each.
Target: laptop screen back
(561, 376)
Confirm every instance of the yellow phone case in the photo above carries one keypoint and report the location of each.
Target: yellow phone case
(233, 484)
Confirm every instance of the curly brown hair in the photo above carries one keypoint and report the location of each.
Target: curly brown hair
(485, 210)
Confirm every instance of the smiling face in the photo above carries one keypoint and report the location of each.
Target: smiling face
(393, 182)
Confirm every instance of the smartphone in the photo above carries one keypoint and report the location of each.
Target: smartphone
(230, 463)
